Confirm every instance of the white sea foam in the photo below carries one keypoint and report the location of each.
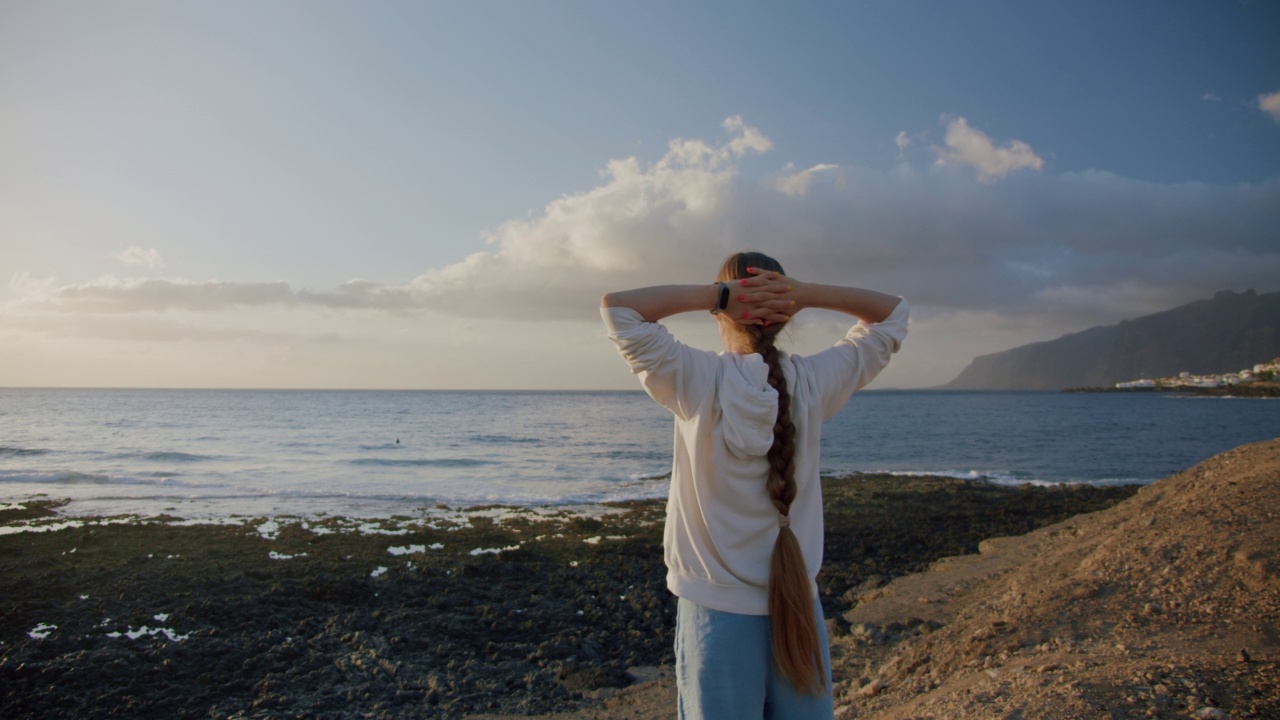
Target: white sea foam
(146, 631)
(493, 550)
(408, 550)
(47, 526)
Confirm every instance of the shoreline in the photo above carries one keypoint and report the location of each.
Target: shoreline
(509, 611)
(1265, 391)
(254, 510)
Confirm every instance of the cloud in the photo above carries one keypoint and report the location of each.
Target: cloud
(1210, 97)
(797, 183)
(109, 294)
(136, 256)
(903, 141)
(1269, 103)
(1046, 254)
(970, 146)
(142, 328)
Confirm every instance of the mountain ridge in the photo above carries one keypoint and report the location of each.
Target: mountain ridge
(1220, 334)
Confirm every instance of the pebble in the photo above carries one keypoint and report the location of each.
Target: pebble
(872, 688)
(1210, 713)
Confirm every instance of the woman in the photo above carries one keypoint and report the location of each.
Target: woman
(743, 536)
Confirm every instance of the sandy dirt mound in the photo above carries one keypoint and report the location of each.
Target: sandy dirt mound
(1166, 605)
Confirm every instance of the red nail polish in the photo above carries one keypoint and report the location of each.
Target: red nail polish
(744, 316)
(742, 298)
(743, 281)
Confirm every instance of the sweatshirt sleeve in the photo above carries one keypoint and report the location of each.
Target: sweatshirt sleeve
(857, 359)
(677, 376)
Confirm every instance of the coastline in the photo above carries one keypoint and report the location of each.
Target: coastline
(1269, 390)
(499, 610)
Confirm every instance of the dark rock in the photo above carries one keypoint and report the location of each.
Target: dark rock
(312, 637)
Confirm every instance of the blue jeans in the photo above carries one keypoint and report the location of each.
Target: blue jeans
(724, 669)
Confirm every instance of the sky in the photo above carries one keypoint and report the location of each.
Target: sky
(435, 195)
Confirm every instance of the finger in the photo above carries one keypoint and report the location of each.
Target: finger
(757, 297)
(760, 285)
(754, 272)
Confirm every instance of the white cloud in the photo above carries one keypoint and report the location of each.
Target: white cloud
(1210, 97)
(981, 262)
(1269, 103)
(903, 141)
(136, 256)
(797, 183)
(970, 146)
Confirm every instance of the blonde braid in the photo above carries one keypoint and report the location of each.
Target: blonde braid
(793, 627)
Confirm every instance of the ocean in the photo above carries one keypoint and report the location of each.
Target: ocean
(209, 454)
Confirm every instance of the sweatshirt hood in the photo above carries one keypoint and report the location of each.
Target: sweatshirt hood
(748, 405)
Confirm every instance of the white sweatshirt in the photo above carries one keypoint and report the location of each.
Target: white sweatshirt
(721, 525)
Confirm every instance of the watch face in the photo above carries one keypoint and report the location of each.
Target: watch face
(723, 301)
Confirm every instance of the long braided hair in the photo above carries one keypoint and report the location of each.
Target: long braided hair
(792, 624)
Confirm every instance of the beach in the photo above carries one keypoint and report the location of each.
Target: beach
(453, 612)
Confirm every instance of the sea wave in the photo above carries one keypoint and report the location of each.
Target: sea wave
(1004, 477)
(663, 454)
(22, 452)
(71, 477)
(173, 457)
(503, 440)
(57, 478)
(423, 462)
(642, 477)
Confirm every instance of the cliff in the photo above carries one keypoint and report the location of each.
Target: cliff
(1222, 334)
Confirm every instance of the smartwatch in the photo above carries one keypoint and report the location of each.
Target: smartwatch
(722, 300)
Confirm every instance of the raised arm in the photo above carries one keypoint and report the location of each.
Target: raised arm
(747, 303)
(866, 305)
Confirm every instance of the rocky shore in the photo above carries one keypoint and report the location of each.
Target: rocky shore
(448, 613)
